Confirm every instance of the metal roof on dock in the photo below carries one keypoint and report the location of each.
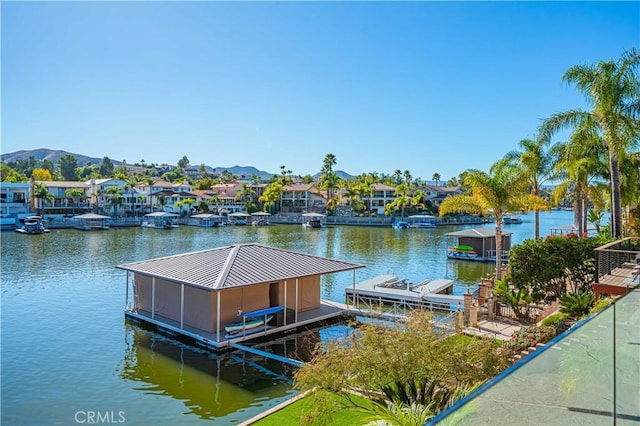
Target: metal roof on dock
(477, 233)
(236, 266)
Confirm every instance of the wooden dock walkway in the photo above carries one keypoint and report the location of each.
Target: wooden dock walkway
(402, 294)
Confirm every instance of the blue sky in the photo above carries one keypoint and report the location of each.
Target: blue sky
(421, 86)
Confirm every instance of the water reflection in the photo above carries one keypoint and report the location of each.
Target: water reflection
(209, 385)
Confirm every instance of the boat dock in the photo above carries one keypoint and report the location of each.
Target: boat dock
(395, 296)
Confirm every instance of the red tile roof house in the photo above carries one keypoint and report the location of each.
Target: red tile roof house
(197, 294)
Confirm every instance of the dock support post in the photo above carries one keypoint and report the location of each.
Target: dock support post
(285, 302)
(153, 297)
(296, 300)
(182, 306)
(126, 295)
(218, 317)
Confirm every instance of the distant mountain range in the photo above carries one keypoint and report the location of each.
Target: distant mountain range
(52, 155)
(55, 155)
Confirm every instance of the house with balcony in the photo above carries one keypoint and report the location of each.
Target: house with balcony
(14, 203)
(63, 203)
(382, 195)
(302, 198)
(98, 195)
(224, 197)
(437, 194)
(165, 195)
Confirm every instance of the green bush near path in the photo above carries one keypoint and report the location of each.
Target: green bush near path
(337, 410)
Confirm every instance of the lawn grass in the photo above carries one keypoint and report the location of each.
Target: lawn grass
(290, 415)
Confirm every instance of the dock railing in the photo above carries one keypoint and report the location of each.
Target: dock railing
(389, 307)
(616, 254)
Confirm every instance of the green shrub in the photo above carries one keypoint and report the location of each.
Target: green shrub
(576, 305)
(600, 305)
(529, 336)
(554, 320)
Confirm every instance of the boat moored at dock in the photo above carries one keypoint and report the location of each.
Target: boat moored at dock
(33, 225)
(478, 244)
(92, 222)
(159, 220)
(314, 220)
(205, 220)
(400, 224)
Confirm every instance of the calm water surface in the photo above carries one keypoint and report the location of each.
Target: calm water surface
(67, 352)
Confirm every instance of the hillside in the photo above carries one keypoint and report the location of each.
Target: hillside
(50, 154)
(55, 155)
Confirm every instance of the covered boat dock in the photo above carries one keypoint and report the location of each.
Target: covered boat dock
(478, 244)
(197, 294)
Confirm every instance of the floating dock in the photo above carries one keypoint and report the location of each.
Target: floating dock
(389, 293)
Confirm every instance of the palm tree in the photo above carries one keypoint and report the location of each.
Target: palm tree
(436, 177)
(162, 200)
(580, 161)
(367, 189)
(42, 193)
(397, 177)
(271, 195)
(501, 190)
(329, 179)
(613, 90)
(215, 199)
(114, 198)
(407, 177)
(537, 164)
(75, 194)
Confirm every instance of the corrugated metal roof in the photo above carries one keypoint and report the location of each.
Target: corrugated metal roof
(237, 265)
(477, 233)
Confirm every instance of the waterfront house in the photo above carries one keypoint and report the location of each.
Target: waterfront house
(301, 198)
(14, 203)
(196, 294)
(62, 203)
(437, 194)
(382, 195)
(225, 196)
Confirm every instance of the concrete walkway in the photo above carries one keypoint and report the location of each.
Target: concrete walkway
(496, 329)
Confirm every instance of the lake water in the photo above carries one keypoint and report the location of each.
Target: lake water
(69, 356)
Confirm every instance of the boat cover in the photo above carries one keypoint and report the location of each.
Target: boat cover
(263, 312)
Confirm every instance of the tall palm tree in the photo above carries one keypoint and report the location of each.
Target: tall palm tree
(613, 90)
(501, 190)
(581, 161)
(537, 162)
(75, 194)
(42, 194)
(397, 177)
(407, 177)
(436, 177)
(329, 179)
(114, 198)
(271, 195)
(162, 200)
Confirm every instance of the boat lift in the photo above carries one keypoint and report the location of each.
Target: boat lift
(256, 314)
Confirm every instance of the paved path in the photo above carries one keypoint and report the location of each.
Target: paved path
(497, 329)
